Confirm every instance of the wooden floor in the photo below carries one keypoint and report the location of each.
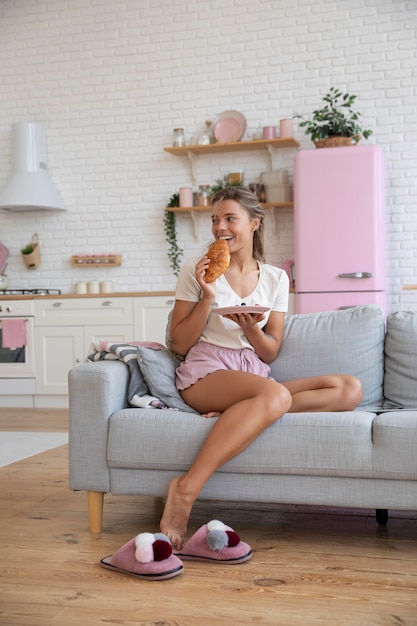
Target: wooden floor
(310, 566)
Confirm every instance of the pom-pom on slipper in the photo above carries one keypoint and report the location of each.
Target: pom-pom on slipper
(147, 556)
(215, 542)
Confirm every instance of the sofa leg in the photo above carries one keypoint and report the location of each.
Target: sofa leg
(382, 516)
(95, 510)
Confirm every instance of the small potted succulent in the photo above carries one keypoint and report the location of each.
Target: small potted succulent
(336, 123)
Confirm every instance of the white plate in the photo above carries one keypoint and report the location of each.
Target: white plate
(233, 310)
(229, 126)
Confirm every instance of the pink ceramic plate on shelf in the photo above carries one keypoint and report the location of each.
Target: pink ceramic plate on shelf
(229, 126)
(234, 310)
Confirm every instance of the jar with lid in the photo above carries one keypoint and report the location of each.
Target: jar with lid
(178, 139)
(205, 137)
(204, 194)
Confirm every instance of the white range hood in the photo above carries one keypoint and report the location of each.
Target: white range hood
(30, 188)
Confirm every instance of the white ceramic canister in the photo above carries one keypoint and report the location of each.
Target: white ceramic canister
(186, 196)
(286, 128)
(269, 132)
(93, 286)
(106, 286)
(81, 287)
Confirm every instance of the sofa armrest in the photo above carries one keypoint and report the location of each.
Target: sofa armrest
(96, 391)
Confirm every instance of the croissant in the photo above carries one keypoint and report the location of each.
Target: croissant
(219, 255)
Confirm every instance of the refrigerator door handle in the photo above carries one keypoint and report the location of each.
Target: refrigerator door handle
(356, 275)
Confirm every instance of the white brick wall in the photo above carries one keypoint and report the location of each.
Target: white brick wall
(109, 80)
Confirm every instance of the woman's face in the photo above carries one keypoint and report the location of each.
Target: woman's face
(233, 223)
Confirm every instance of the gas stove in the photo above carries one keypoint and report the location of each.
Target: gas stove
(30, 292)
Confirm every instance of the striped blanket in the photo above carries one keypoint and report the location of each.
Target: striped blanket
(138, 392)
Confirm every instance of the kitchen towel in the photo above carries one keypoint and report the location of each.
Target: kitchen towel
(14, 333)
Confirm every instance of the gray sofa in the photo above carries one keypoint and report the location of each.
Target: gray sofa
(365, 458)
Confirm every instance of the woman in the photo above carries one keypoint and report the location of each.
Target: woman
(225, 372)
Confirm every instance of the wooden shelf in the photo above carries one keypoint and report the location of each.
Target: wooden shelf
(196, 212)
(236, 146)
(192, 152)
(203, 209)
(96, 260)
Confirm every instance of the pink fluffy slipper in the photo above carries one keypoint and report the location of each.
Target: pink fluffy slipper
(215, 542)
(147, 556)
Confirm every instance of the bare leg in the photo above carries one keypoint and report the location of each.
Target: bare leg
(336, 392)
(248, 405)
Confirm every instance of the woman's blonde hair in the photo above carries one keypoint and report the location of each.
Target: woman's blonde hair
(250, 203)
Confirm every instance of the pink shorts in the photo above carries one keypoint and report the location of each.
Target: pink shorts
(205, 358)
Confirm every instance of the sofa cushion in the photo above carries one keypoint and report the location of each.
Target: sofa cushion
(400, 381)
(158, 369)
(394, 436)
(311, 444)
(350, 341)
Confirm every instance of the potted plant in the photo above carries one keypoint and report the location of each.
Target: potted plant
(222, 183)
(31, 253)
(336, 123)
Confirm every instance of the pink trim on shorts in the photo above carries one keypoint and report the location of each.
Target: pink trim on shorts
(205, 358)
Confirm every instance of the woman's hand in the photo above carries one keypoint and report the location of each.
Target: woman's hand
(190, 318)
(246, 320)
(265, 341)
(208, 289)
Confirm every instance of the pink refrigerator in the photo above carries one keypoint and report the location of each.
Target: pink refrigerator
(339, 258)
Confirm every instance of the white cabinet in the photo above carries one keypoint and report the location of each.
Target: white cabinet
(84, 311)
(151, 317)
(65, 329)
(58, 349)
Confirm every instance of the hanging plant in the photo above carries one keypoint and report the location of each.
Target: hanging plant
(170, 225)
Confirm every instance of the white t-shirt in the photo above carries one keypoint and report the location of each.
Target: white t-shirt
(271, 291)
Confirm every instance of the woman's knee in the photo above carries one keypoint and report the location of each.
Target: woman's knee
(277, 400)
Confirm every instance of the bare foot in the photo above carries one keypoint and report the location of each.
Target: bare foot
(176, 513)
(211, 414)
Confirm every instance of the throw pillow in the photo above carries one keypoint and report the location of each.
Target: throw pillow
(349, 341)
(158, 369)
(400, 381)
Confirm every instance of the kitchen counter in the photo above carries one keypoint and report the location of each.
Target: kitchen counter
(65, 296)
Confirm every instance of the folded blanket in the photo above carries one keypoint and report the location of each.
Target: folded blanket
(138, 392)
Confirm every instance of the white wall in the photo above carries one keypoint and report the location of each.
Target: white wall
(109, 80)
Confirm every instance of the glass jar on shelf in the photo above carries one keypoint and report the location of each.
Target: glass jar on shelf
(178, 139)
(203, 194)
(203, 138)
